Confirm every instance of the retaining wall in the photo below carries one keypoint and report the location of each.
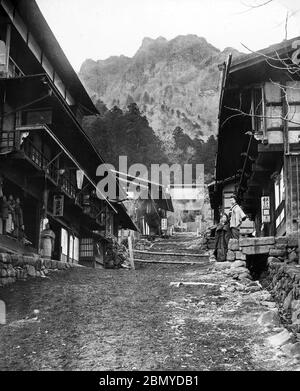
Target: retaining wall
(283, 269)
(15, 267)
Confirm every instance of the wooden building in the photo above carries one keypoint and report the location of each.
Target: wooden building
(258, 138)
(46, 159)
(152, 214)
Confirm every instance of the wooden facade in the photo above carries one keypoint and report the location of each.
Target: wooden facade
(46, 159)
(258, 138)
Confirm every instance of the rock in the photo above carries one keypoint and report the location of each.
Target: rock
(53, 264)
(3, 273)
(292, 257)
(47, 263)
(240, 270)
(5, 258)
(269, 304)
(281, 240)
(231, 289)
(31, 270)
(244, 276)
(222, 265)
(238, 264)
(230, 255)
(273, 260)
(247, 242)
(288, 301)
(277, 253)
(269, 318)
(280, 339)
(60, 265)
(263, 241)
(295, 305)
(295, 350)
(281, 246)
(233, 244)
(296, 317)
(253, 250)
(240, 256)
(253, 289)
(11, 272)
(293, 240)
(286, 349)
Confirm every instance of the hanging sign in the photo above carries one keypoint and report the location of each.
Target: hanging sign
(58, 205)
(79, 178)
(164, 224)
(265, 210)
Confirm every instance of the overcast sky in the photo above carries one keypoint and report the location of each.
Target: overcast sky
(98, 29)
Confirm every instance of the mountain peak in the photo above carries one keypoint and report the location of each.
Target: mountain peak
(148, 42)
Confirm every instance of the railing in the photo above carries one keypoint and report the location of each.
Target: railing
(68, 187)
(90, 208)
(40, 160)
(13, 69)
(10, 141)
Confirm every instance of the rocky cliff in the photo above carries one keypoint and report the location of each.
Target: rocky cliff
(175, 83)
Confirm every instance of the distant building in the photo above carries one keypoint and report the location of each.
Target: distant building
(46, 159)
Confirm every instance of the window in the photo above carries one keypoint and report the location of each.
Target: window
(71, 248)
(257, 110)
(64, 245)
(76, 249)
(87, 248)
(2, 55)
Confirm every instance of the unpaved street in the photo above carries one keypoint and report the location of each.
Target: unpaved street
(133, 320)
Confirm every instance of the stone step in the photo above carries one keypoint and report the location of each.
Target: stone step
(179, 254)
(170, 262)
(171, 258)
(175, 249)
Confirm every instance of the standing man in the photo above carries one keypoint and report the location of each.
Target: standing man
(237, 216)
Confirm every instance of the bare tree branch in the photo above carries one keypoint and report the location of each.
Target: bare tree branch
(243, 113)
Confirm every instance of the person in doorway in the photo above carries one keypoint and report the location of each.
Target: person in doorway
(223, 235)
(10, 222)
(4, 214)
(237, 216)
(47, 242)
(19, 223)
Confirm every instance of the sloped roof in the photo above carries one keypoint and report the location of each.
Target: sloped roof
(44, 36)
(255, 57)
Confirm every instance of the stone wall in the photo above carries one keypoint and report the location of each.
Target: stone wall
(282, 248)
(245, 255)
(15, 267)
(282, 269)
(284, 284)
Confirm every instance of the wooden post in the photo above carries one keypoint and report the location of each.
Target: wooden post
(131, 252)
(2, 313)
(8, 41)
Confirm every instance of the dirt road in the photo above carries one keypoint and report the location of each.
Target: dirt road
(133, 320)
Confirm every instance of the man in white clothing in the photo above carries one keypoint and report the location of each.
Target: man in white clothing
(237, 216)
